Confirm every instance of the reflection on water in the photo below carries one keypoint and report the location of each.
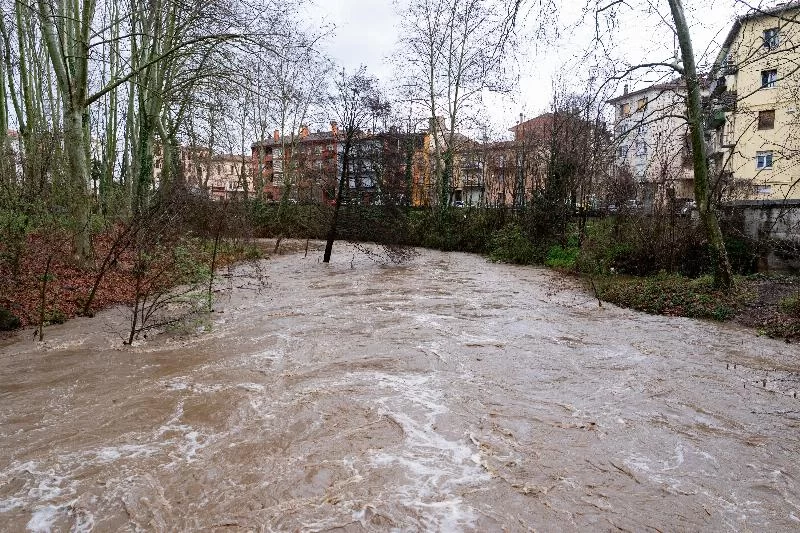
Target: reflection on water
(446, 394)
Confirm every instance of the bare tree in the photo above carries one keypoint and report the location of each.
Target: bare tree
(686, 69)
(453, 51)
(350, 103)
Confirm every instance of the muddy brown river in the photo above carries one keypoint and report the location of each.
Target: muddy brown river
(444, 394)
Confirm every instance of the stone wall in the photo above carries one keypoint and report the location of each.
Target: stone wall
(775, 224)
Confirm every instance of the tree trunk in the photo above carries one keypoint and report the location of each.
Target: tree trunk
(723, 276)
(3, 102)
(339, 198)
(78, 168)
(144, 158)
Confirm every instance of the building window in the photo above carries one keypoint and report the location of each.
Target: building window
(771, 39)
(769, 78)
(641, 148)
(766, 119)
(641, 105)
(623, 151)
(625, 109)
(729, 66)
(763, 160)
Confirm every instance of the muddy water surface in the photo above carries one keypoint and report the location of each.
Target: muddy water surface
(445, 394)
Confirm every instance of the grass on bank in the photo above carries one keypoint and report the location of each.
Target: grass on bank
(673, 295)
(662, 270)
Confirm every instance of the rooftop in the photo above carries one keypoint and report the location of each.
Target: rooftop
(755, 13)
(671, 85)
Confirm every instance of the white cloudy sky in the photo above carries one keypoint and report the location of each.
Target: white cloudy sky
(366, 32)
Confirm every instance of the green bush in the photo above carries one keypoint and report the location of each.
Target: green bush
(54, 316)
(190, 265)
(511, 245)
(562, 257)
(8, 320)
(790, 305)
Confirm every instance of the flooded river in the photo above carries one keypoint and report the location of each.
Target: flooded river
(443, 394)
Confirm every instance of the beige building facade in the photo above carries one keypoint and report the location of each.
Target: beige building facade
(219, 176)
(651, 142)
(756, 143)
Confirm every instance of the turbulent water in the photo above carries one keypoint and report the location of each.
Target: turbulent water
(443, 394)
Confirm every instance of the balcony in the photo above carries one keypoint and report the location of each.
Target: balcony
(716, 119)
(727, 101)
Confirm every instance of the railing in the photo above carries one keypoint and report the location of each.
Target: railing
(727, 101)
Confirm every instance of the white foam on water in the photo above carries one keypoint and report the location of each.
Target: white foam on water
(436, 467)
(109, 454)
(49, 485)
(176, 384)
(191, 445)
(676, 461)
(9, 504)
(268, 354)
(252, 387)
(189, 442)
(184, 383)
(84, 520)
(43, 519)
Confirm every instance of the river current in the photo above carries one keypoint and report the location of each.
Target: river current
(446, 393)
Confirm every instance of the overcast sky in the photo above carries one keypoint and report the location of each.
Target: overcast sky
(366, 32)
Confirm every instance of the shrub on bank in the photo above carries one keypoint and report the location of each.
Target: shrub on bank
(790, 305)
(511, 245)
(562, 257)
(672, 295)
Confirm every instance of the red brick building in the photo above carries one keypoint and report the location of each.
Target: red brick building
(304, 166)
(307, 166)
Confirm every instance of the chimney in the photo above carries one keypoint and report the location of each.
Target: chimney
(625, 89)
(334, 127)
(303, 132)
(276, 136)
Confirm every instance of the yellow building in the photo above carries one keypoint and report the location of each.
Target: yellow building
(757, 96)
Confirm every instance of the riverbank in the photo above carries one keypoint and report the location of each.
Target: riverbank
(48, 287)
(765, 303)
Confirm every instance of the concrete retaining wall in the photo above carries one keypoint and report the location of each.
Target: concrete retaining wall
(776, 224)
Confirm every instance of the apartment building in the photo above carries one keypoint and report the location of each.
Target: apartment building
(465, 185)
(555, 157)
(306, 166)
(651, 142)
(512, 173)
(303, 166)
(756, 101)
(218, 176)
